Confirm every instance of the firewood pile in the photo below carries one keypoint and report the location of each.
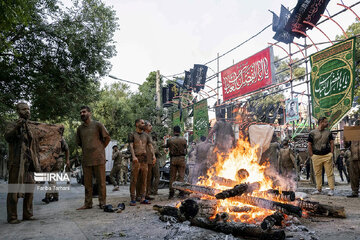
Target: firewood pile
(205, 211)
(241, 197)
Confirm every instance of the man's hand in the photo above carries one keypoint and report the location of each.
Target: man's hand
(68, 165)
(154, 160)
(135, 159)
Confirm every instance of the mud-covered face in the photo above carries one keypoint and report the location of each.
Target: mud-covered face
(148, 128)
(24, 111)
(84, 114)
(141, 124)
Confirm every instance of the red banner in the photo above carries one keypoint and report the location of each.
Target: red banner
(248, 75)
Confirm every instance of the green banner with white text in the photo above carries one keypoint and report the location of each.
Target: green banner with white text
(201, 119)
(332, 81)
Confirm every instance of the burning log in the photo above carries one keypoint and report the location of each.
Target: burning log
(316, 208)
(189, 188)
(224, 181)
(240, 209)
(238, 229)
(238, 190)
(272, 205)
(283, 195)
(274, 219)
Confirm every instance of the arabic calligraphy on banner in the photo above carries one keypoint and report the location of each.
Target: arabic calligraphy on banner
(201, 119)
(248, 75)
(332, 81)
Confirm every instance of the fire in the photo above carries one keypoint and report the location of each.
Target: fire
(243, 156)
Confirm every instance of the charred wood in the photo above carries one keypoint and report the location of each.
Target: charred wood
(238, 229)
(189, 188)
(189, 208)
(316, 208)
(272, 205)
(238, 190)
(170, 211)
(274, 219)
(283, 195)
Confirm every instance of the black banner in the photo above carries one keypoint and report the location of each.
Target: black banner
(187, 80)
(165, 95)
(198, 76)
(174, 91)
(279, 24)
(305, 10)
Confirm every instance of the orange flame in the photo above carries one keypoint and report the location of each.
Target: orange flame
(243, 156)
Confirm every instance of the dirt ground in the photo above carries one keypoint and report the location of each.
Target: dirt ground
(60, 220)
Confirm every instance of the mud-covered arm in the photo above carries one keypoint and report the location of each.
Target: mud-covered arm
(12, 131)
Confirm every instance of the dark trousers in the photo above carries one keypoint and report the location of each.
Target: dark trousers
(342, 170)
(177, 171)
(138, 174)
(115, 175)
(12, 198)
(99, 173)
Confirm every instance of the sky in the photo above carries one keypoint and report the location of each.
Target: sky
(173, 35)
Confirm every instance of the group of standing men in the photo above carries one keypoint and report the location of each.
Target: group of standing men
(93, 138)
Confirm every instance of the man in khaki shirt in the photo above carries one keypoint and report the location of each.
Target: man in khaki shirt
(139, 141)
(116, 169)
(178, 149)
(93, 138)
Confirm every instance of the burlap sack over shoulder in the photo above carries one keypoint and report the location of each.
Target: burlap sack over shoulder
(261, 135)
(49, 139)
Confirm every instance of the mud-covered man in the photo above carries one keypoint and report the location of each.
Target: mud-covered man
(224, 134)
(93, 138)
(321, 150)
(178, 148)
(287, 164)
(23, 162)
(116, 169)
(139, 142)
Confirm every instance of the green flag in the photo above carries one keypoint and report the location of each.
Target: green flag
(332, 81)
(201, 119)
(176, 121)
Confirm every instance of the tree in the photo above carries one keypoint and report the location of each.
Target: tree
(54, 57)
(114, 111)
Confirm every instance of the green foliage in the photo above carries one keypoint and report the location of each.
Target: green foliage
(54, 57)
(114, 111)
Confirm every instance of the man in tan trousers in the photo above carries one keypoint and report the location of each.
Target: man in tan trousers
(139, 141)
(321, 151)
(93, 138)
